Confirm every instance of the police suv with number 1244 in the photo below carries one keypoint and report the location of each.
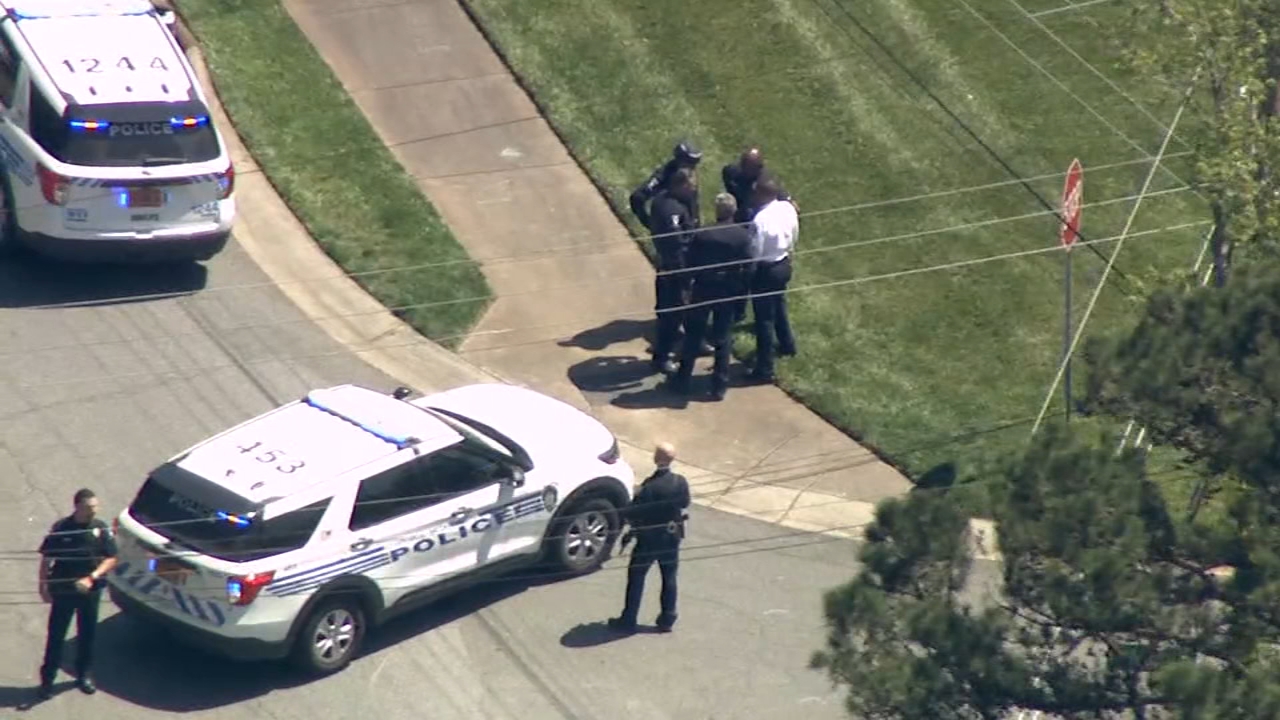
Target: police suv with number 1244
(107, 149)
(296, 531)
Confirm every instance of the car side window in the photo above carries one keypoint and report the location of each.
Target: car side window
(460, 469)
(398, 491)
(8, 70)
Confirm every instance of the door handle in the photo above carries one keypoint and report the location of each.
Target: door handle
(460, 515)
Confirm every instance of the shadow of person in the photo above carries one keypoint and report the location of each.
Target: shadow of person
(614, 331)
(593, 634)
(23, 699)
(164, 674)
(610, 374)
(28, 280)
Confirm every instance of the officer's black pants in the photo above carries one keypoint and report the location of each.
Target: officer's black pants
(720, 316)
(664, 549)
(773, 327)
(671, 292)
(84, 606)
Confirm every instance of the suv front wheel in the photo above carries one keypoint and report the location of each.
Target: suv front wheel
(330, 636)
(582, 538)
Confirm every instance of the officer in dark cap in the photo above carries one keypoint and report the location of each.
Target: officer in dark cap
(656, 516)
(673, 222)
(683, 156)
(76, 556)
(721, 258)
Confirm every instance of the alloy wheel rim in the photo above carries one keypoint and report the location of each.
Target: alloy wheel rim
(334, 634)
(586, 537)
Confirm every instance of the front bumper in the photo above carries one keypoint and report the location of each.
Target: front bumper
(244, 649)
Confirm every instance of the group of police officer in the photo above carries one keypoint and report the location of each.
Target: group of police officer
(706, 274)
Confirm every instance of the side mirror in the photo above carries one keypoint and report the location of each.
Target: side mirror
(515, 477)
(401, 393)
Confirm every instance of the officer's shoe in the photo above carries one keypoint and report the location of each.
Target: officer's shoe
(706, 349)
(622, 625)
(45, 692)
(665, 624)
(665, 367)
(86, 686)
(717, 394)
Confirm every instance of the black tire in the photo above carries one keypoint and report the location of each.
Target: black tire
(10, 245)
(582, 537)
(342, 620)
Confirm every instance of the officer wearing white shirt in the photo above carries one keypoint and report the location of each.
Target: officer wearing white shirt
(775, 229)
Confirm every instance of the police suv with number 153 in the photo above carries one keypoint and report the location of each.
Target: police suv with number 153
(106, 144)
(296, 531)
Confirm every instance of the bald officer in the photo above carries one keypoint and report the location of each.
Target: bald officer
(656, 516)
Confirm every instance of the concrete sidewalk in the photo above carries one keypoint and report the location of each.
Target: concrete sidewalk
(568, 323)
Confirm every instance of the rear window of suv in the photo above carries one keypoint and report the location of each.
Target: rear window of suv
(125, 134)
(204, 517)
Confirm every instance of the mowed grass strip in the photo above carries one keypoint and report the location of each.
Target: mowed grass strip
(922, 366)
(328, 164)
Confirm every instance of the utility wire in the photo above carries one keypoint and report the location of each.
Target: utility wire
(574, 249)
(1020, 180)
(1066, 359)
(591, 283)
(613, 316)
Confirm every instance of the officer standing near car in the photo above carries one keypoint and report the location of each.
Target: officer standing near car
(673, 222)
(683, 156)
(721, 259)
(656, 516)
(76, 556)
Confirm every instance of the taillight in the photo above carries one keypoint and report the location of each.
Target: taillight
(611, 455)
(53, 185)
(244, 590)
(227, 182)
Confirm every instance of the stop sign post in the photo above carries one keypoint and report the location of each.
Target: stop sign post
(1068, 232)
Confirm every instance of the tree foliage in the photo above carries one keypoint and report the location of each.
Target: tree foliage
(1227, 54)
(1107, 601)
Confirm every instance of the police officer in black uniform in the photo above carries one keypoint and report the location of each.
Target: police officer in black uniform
(740, 180)
(683, 156)
(724, 252)
(673, 223)
(656, 516)
(76, 556)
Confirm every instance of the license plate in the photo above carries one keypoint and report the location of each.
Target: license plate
(172, 570)
(146, 197)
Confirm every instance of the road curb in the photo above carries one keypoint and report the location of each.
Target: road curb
(281, 247)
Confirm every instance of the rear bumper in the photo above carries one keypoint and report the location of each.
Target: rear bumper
(140, 249)
(244, 649)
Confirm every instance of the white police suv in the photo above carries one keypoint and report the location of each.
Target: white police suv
(296, 531)
(106, 144)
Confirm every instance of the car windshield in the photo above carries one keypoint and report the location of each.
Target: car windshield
(475, 431)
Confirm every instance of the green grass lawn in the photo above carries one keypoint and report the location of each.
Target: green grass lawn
(320, 153)
(904, 363)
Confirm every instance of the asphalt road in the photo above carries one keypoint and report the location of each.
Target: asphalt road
(97, 393)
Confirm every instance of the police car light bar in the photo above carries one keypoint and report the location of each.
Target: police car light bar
(34, 9)
(90, 125)
(236, 520)
(317, 400)
(195, 121)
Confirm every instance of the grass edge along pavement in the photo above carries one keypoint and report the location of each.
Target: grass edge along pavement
(574, 109)
(319, 151)
(638, 232)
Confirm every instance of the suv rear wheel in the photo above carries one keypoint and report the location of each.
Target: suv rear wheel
(582, 538)
(331, 636)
